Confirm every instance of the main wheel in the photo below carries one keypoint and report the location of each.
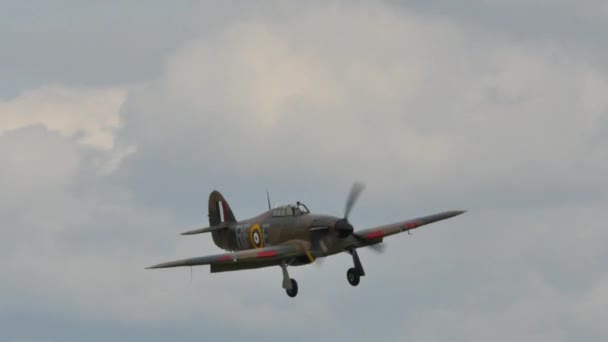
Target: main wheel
(294, 289)
(353, 276)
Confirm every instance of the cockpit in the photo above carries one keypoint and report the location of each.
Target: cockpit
(290, 210)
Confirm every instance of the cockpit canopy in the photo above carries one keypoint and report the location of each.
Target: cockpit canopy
(290, 210)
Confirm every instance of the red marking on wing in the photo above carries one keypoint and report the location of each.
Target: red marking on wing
(225, 257)
(267, 254)
(412, 225)
(375, 235)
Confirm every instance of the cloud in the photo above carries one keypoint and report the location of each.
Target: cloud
(89, 115)
(429, 113)
(93, 44)
(412, 94)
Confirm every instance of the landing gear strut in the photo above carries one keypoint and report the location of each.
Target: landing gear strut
(354, 274)
(290, 285)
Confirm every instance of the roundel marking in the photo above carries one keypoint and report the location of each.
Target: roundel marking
(256, 237)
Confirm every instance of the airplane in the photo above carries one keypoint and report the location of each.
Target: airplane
(290, 235)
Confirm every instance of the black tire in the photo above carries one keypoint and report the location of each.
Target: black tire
(294, 289)
(353, 276)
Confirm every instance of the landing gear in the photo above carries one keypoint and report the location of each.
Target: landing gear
(354, 274)
(294, 289)
(290, 285)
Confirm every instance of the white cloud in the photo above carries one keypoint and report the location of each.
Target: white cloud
(88, 114)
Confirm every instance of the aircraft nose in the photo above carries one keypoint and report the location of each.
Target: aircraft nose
(344, 228)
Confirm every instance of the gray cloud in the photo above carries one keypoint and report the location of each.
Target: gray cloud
(577, 26)
(97, 44)
(501, 96)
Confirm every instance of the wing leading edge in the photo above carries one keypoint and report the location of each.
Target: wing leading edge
(251, 258)
(376, 234)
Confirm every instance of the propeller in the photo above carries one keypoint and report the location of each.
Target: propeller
(343, 226)
(353, 196)
(378, 248)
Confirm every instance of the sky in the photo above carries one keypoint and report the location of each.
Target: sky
(117, 119)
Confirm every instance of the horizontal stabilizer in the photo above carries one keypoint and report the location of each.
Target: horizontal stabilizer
(205, 230)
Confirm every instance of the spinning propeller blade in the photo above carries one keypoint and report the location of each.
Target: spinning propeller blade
(378, 248)
(342, 227)
(352, 198)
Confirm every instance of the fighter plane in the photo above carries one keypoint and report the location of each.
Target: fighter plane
(290, 235)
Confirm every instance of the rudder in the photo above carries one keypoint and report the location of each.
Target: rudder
(219, 209)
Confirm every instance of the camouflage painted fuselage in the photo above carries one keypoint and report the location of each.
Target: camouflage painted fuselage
(270, 228)
(241, 235)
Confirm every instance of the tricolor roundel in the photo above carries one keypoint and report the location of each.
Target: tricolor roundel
(255, 236)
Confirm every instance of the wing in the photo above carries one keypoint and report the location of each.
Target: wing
(375, 235)
(251, 258)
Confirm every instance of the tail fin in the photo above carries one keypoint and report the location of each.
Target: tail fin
(219, 210)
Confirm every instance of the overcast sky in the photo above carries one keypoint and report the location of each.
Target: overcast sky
(117, 120)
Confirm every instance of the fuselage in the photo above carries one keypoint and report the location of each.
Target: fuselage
(267, 229)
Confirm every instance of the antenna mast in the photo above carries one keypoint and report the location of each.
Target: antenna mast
(268, 197)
